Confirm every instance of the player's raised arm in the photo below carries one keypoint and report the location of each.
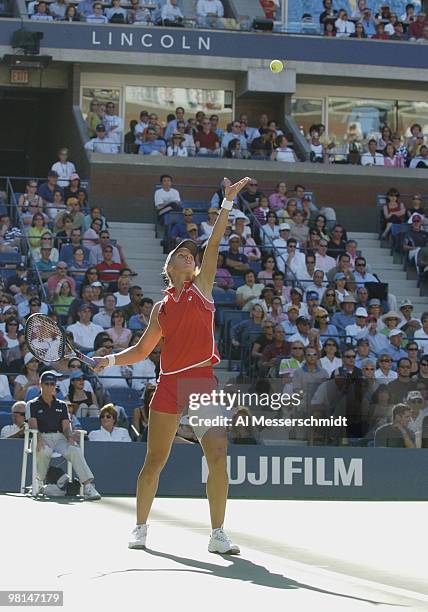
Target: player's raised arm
(205, 279)
(150, 338)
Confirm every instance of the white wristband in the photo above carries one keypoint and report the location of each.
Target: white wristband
(111, 360)
(227, 204)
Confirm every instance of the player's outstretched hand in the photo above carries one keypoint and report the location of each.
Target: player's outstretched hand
(102, 363)
(232, 191)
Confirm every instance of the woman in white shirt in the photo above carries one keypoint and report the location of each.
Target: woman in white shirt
(63, 168)
(282, 152)
(177, 148)
(329, 360)
(108, 431)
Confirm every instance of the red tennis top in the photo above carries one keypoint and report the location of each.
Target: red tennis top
(187, 324)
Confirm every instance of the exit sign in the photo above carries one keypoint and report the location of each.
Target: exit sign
(19, 76)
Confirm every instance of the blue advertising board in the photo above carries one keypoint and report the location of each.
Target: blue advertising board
(256, 472)
(220, 44)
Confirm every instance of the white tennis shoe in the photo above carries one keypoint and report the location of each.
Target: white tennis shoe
(138, 537)
(221, 543)
(90, 493)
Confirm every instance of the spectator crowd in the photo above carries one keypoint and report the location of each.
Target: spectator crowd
(202, 136)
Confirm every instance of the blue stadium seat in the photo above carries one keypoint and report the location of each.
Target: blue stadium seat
(128, 398)
(196, 205)
(10, 259)
(89, 423)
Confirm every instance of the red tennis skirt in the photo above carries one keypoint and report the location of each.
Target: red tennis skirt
(173, 391)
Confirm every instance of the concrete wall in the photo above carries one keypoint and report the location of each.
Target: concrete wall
(123, 185)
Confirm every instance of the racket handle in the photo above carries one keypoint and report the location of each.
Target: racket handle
(88, 360)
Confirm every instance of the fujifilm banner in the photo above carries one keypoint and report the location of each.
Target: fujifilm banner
(256, 472)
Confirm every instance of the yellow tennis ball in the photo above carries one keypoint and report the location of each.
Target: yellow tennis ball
(276, 66)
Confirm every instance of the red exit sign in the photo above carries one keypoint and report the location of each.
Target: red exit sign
(19, 76)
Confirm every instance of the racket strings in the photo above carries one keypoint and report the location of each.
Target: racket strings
(44, 339)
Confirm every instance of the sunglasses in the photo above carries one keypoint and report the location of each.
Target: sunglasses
(106, 416)
(424, 364)
(349, 356)
(385, 360)
(20, 413)
(49, 384)
(297, 348)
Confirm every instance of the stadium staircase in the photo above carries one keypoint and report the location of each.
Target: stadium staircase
(383, 265)
(144, 255)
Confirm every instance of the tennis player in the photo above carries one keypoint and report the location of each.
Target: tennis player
(184, 321)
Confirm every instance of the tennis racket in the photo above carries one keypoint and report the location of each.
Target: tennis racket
(47, 341)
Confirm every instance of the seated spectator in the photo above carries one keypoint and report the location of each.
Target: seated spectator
(63, 299)
(141, 319)
(361, 276)
(84, 331)
(44, 265)
(166, 198)
(122, 294)
(279, 347)
(206, 140)
(330, 355)
(128, 298)
(83, 402)
(108, 268)
(372, 157)
(16, 430)
(415, 238)
(119, 334)
(96, 253)
(380, 32)
(209, 12)
(234, 134)
(421, 160)
(71, 13)
(337, 242)
(397, 434)
(137, 14)
(359, 31)
(282, 152)
(177, 147)
(97, 16)
(249, 291)
(384, 373)
(368, 22)
(391, 158)
(152, 144)
(78, 266)
(421, 335)
(109, 432)
(299, 229)
(417, 26)
(91, 236)
(103, 317)
(60, 275)
(236, 262)
(37, 229)
(27, 379)
(102, 143)
(263, 145)
(116, 14)
(41, 13)
(343, 26)
(400, 387)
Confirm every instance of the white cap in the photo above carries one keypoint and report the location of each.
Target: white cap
(395, 332)
(284, 226)
(361, 312)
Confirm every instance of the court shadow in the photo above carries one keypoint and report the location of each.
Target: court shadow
(239, 569)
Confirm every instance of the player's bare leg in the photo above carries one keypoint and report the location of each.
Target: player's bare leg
(162, 430)
(214, 444)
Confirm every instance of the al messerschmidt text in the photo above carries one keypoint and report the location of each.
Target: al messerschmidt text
(257, 421)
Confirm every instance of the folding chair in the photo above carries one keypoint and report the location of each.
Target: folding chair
(30, 448)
